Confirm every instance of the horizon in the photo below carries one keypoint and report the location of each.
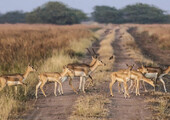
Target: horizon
(28, 6)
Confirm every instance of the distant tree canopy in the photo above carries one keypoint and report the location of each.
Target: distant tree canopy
(138, 13)
(55, 13)
(51, 12)
(59, 13)
(13, 17)
(105, 14)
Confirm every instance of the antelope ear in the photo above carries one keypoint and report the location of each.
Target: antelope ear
(111, 57)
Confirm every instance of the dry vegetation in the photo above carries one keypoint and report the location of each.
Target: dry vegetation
(159, 32)
(93, 107)
(132, 48)
(159, 103)
(44, 46)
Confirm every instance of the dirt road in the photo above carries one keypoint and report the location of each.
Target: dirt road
(60, 107)
(126, 109)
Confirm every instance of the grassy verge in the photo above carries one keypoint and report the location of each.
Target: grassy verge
(93, 106)
(158, 102)
(160, 32)
(46, 48)
(132, 49)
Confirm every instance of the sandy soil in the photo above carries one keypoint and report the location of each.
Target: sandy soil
(133, 108)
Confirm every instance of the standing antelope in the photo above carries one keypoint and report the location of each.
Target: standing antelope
(80, 65)
(15, 79)
(157, 73)
(54, 77)
(143, 70)
(120, 76)
(83, 71)
(137, 76)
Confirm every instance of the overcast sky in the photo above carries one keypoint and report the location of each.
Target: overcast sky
(85, 5)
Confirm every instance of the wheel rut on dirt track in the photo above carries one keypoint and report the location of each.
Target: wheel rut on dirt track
(133, 108)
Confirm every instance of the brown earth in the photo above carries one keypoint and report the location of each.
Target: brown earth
(133, 108)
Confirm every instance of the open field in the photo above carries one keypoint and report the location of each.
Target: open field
(38, 45)
(159, 34)
(48, 48)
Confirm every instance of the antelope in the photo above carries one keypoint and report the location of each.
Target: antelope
(15, 79)
(137, 76)
(143, 70)
(124, 71)
(83, 71)
(157, 73)
(53, 77)
(80, 65)
(120, 76)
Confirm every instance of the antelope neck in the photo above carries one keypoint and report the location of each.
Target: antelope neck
(26, 73)
(94, 66)
(63, 73)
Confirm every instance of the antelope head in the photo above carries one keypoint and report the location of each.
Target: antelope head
(130, 67)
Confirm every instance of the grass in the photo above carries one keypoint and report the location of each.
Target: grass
(44, 46)
(160, 32)
(90, 107)
(159, 103)
(132, 49)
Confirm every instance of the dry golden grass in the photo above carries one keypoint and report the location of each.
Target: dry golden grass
(90, 107)
(22, 44)
(131, 47)
(41, 45)
(161, 32)
(159, 103)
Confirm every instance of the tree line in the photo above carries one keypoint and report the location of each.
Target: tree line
(59, 13)
(138, 13)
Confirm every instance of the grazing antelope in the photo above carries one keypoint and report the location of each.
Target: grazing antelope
(15, 79)
(143, 70)
(83, 71)
(157, 73)
(124, 71)
(53, 77)
(137, 76)
(120, 76)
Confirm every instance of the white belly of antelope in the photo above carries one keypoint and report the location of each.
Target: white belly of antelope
(151, 75)
(79, 73)
(51, 79)
(13, 83)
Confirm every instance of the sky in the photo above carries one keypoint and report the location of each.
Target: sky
(84, 5)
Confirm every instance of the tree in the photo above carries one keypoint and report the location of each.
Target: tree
(13, 17)
(55, 13)
(142, 13)
(105, 14)
(137, 13)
